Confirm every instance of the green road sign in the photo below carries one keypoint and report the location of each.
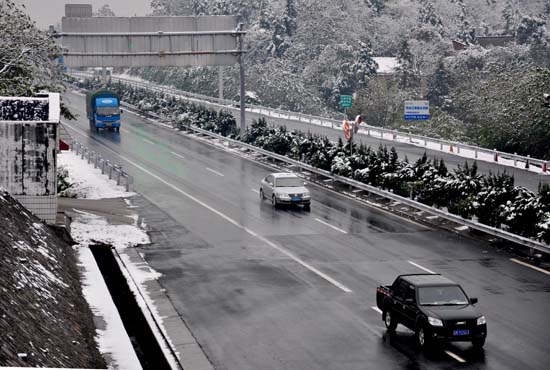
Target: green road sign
(345, 101)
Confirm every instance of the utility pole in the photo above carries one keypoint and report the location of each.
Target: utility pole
(220, 83)
(240, 28)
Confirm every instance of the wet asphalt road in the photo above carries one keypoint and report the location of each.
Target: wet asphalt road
(274, 289)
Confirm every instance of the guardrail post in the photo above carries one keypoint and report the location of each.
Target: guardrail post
(117, 175)
(527, 162)
(495, 156)
(83, 153)
(95, 160)
(425, 142)
(475, 153)
(441, 146)
(90, 154)
(458, 149)
(110, 170)
(544, 167)
(368, 132)
(103, 166)
(515, 159)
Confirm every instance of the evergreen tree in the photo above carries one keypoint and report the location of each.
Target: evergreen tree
(547, 7)
(530, 31)
(429, 16)
(104, 11)
(439, 85)
(407, 69)
(290, 17)
(376, 5)
(365, 66)
(509, 15)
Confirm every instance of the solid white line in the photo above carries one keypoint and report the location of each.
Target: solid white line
(377, 309)
(456, 357)
(231, 221)
(421, 267)
(255, 191)
(178, 155)
(124, 130)
(148, 141)
(329, 225)
(530, 266)
(216, 172)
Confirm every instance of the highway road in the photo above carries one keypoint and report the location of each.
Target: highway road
(266, 289)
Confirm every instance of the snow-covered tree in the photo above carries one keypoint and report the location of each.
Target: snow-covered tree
(530, 30)
(439, 84)
(104, 11)
(428, 14)
(26, 54)
(408, 74)
(364, 65)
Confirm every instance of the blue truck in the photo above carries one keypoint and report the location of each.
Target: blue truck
(103, 110)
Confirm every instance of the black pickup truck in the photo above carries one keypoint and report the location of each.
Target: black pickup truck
(434, 307)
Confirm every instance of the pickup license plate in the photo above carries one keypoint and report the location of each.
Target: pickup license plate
(461, 332)
(109, 124)
(296, 199)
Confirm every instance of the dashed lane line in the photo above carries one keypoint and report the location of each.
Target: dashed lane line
(377, 309)
(149, 141)
(255, 191)
(455, 356)
(421, 267)
(177, 155)
(228, 219)
(329, 225)
(215, 172)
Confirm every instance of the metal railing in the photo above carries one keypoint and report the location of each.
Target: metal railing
(107, 168)
(447, 146)
(526, 242)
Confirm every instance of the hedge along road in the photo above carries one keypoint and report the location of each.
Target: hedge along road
(278, 289)
(528, 179)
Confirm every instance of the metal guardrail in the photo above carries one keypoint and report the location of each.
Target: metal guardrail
(533, 244)
(447, 146)
(112, 170)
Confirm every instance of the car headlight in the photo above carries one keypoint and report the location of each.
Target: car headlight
(481, 320)
(281, 195)
(435, 322)
(307, 195)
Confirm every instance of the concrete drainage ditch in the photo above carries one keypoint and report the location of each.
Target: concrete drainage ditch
(143, 340)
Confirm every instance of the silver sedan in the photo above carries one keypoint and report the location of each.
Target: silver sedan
(285, 188)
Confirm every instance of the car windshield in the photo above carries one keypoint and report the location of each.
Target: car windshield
(107, 111)
(288, 182)
(441, 296)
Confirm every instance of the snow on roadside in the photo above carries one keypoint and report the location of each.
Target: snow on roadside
(88, 181)
(113, 340)
(89, 229)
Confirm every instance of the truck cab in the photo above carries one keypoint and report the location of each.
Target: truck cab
(435, 308)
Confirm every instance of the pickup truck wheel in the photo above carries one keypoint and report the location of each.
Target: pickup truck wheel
(421, 337)
(274, 201)
(478, 343)
(389, 320)
(262, 196)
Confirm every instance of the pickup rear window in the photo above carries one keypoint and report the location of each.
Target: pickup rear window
(441, 296)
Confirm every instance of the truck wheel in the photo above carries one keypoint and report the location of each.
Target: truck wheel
(389, 320)
(478, 343)
(117, 129)
(97, 129)
(422, 340)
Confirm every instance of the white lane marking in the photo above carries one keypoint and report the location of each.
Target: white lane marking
(329, 225)
(421, 267)
(255, 191)
(377, 309)
(229, 219)
(462, 228)
(456, 357)
(214, 171)
(530, 266)
(124, 130)
(149, 141)
(177, 155)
